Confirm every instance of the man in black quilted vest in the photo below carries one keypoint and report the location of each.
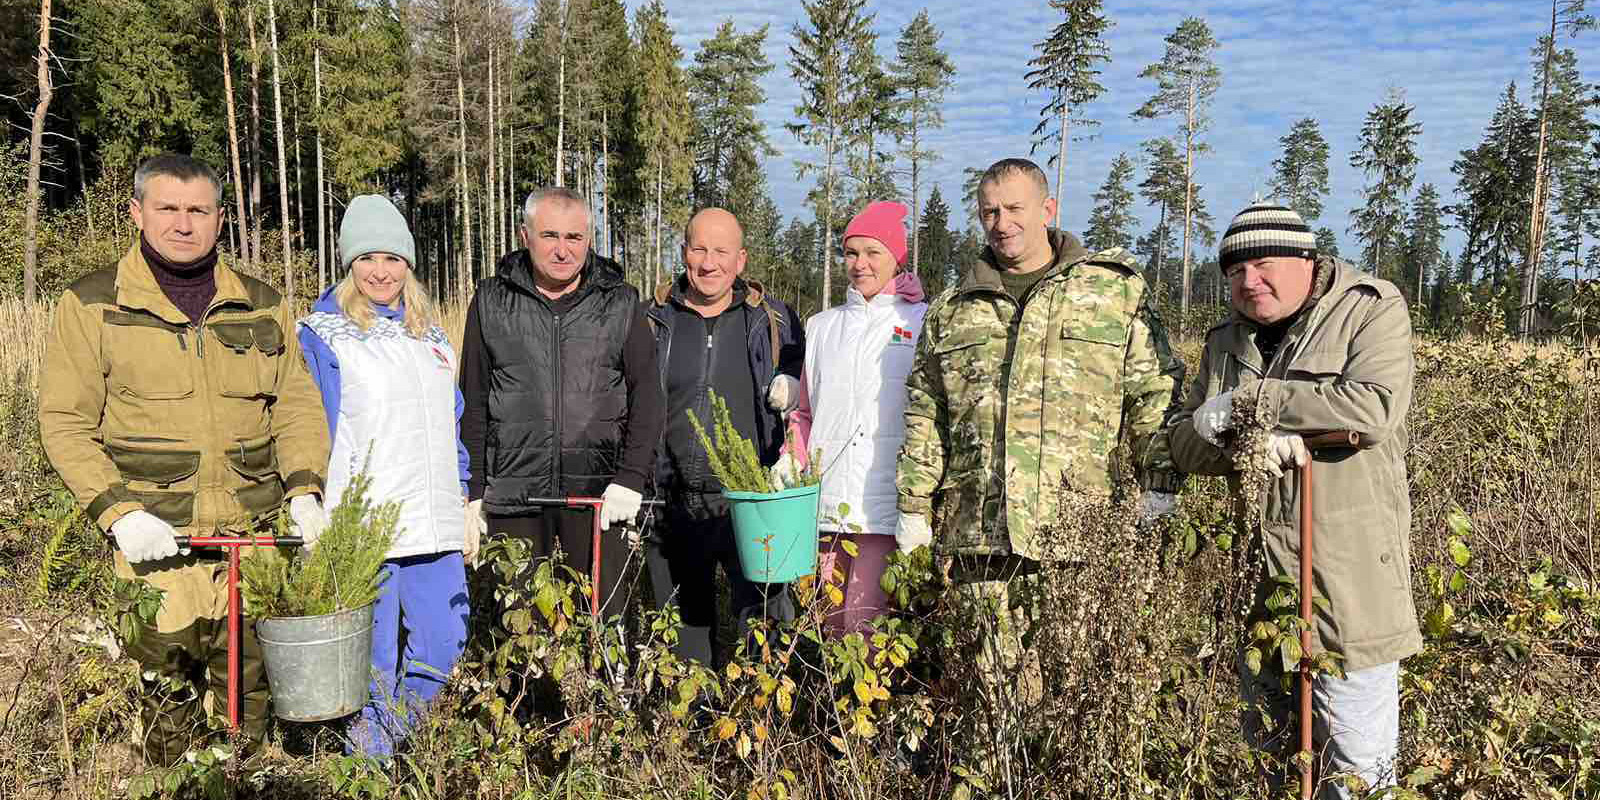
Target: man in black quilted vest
(558, 374)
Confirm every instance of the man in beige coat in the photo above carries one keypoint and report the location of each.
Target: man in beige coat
(1323, 347)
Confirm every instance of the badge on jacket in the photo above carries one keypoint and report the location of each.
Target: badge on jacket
(444, 360)
(901, 336)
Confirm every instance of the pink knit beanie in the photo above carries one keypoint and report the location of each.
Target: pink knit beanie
(884, 220)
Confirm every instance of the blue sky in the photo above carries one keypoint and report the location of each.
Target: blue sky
(1280, 61)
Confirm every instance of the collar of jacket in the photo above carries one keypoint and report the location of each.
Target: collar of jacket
(1065, 250)
(755, 295)
(599, 274)
(137, 288)
(884, 298)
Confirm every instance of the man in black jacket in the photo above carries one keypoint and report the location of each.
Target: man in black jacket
(558, 375)
(715, 331)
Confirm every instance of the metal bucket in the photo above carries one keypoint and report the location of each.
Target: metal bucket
(318, 667)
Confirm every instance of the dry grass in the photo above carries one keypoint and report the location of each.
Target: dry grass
(22, 341)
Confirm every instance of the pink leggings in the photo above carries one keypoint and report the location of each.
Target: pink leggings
(863, 592)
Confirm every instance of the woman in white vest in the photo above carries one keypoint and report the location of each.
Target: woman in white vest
(388, 380)
(853, 398)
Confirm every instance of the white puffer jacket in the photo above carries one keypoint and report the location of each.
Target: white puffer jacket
(857, 359)
(397, 397)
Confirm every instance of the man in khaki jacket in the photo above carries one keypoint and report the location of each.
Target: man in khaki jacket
(174, 401)
(1324, 347)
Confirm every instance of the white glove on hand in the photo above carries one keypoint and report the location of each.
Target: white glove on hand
(1285, 451)
(785, 474)
(1154, 505)
(1213, 417)
(307, 519)
(620, 504)
(142, 536)
(477, 524)
(784, 394)
(912, 532)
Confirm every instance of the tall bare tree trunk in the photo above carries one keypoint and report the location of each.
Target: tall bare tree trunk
(1188, 208)
(660, 176)
(491, 227)
(286, 232)
(324, 254)
(916, 192)
(467, 261)
(83, 181)
(255, 135)
(240, 222)
(30, 252)
(561, 98)
(825, 253)
(300, 185)
(605, 181)
(1061, 166)
(1536, 210)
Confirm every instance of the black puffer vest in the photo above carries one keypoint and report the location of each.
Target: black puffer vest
(557, 402)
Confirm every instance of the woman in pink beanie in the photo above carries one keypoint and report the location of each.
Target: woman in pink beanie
(853, 398)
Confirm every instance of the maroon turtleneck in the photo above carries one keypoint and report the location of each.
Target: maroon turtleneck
(189, 286)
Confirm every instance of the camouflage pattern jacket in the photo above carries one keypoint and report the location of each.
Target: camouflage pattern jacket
(1011, 404)
(208, 424)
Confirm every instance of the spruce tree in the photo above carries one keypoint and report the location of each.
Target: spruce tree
(1424, 244)
(938, 251)
(661, 119)
(1112, 220)
(1067, 69)
(1327, 242)
(1387, 156)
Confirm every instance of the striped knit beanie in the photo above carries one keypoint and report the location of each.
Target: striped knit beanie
(1264, 230)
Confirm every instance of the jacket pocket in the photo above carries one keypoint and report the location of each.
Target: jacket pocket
(256, 462)
(160, 478)
(248, 364)
(148, 356)
(1322, 365)
(958, 510)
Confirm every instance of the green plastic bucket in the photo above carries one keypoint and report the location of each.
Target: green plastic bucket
(776, 533)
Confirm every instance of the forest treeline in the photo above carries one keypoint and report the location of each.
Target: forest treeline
(457, 108)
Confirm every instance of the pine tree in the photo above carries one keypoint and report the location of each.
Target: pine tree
(820, 61)
(725, 91)
(1388, 158)
(922, 72)
(1163, 187)
(875, 122)
(1112, 220)
(1300, 175)
(35, 157)
(1493, 181)
(1068, 68)
(1187, 79)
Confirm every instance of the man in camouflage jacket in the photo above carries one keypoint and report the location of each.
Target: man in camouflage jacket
(174, 401)
(1029, 374)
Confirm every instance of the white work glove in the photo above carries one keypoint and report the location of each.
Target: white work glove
(619, 504)
(1285, 451)
(912, 532)
(142, 536)
(1154, 505)
(784, 394)
(477, 524)
(307, 519)
(1213, 417)
(785, 474)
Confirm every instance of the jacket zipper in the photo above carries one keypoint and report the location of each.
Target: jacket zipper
(427, 425)
(702, 461)
(555, 351)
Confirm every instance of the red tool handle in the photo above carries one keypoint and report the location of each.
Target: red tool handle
(235, 613)
(1314, 443)
(593, 503)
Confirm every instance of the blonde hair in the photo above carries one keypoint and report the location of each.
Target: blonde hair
(420, 315)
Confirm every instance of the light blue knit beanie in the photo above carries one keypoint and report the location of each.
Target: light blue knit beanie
(373, 225)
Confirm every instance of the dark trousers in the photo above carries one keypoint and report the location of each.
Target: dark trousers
(572, 529)
(695, 537)
(187, 664)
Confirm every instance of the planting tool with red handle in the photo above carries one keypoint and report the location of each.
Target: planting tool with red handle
(594, 504)
(235, 613)
(1332, 440)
